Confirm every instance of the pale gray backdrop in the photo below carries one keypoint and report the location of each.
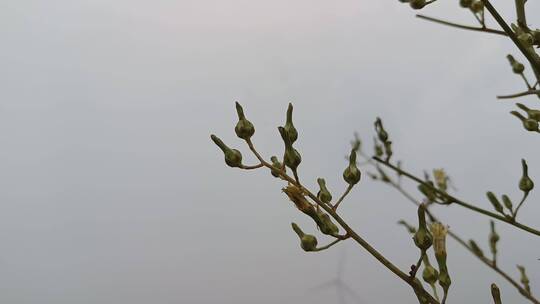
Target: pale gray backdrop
(112, 191)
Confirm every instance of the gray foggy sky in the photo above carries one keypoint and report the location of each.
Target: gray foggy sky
(113, 192)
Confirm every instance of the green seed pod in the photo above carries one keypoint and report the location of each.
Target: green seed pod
(496, 294)
(525, 183)
(507, 202)
(422, 238)
(430, 274)
(517, 67)
(323, 194)
(532, 114)
(524, 278)
(326, 225)
(477, 6)
(244, 128)
(417, 4)
(352, 174)
(493, 239)
(465, 3)
(495, 202)
(289, 128)
(291, 157)
(276, 166)
(475, 248)
(526, 39)
(308, 242)
(233, 157)
(381, 132)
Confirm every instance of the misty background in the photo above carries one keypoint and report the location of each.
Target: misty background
(112, 191)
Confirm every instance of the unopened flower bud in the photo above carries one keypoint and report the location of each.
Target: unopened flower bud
(417, 4)
(475, 248)
(495, 202)
(507, 202)
(276, 166)
(532, 114)
(326, 225)
(308, 242)
(477, 6)
(323, 194)
(430, 274)
(465, 3)
(528, 123)
(524, 279)
(233, 157)
(496, 294)
(422, 238)
(381, 132)
(388, 149)
(517, 67)
(525, 183)
(289, 128)
(291, 157)
(378, 150)
(352, 174)
(493, 239)
(244, 128)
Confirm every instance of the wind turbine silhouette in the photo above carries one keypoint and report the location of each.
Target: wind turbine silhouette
(344, 292)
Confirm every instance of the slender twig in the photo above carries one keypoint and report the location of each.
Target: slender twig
(525, 194)
(457, 238)
(349, 188)
(458, 201)
(533, 60)
(529, 92)
(328, 246)
(416, 285)
(251, 167)
(464, 27)
(418, 264)
(526, 81)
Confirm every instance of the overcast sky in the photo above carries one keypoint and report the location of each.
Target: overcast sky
(112, 191)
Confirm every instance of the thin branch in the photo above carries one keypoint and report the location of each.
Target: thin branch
(520, 203)
(529, 92)
(458, 201)
(251, 167)
(349, 188)
(533, 59)
(464, 27)
(327, 246)
(460, 241)
(416, 285)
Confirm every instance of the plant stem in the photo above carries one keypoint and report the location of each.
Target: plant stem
(487, 262)
(529, 92)
(349, 188)
(417, 287)
(458, 201)
(464, 27)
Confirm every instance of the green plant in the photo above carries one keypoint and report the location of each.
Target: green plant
(430, 234)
